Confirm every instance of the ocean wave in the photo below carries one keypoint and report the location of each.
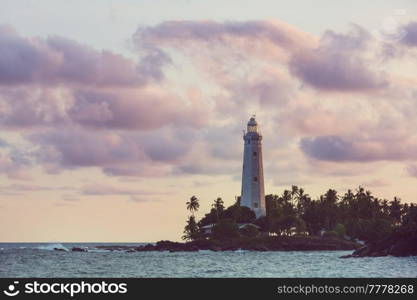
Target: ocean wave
(95, 250)
(205, 251)
(52, 247)
(240, 251)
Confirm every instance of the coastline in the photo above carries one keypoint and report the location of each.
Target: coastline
(266, 243)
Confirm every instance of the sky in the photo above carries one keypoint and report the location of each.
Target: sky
(114, 113)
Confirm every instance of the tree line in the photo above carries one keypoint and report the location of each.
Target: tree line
(353, 215)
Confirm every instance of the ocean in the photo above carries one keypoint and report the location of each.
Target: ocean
(41, 260)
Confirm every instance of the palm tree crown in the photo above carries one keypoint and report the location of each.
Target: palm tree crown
(192, 204)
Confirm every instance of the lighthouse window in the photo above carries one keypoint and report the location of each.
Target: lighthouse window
(255, 179)
(254, 153)
(255, 205)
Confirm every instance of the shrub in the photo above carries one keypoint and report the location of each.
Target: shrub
(225, 229)
(340, 229)
(331, 234)
(249, 231)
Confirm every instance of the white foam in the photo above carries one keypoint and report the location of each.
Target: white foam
(205, 251)
(52, 247)
(240, 251)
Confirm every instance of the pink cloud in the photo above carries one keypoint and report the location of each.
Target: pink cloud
(57, 60)
(339, 63)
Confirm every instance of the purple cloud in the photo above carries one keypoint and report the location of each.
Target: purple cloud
(338, 64)
(116, 153)
(133, 109)
(331, 148)
(278, 33)
(14, 161)
(57, 61)
(359, 149)
(410, 38)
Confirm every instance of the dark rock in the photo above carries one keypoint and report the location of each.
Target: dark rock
(114, 247)
(148, 247)
(404, 247)
(59, 249)
(363, 251)
(77, 249)
(378, 254)
(168, 245)
(215, 248)
(346, 256)
(395, 244)
(229, 248)
(260, 243)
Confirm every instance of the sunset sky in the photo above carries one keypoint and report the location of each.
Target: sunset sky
(114, 113)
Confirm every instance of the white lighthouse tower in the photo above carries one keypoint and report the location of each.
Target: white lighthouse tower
(253, 194)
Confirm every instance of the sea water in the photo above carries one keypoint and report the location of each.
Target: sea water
(41, 260)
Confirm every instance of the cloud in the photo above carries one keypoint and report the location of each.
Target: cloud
(339, 63)
(3, 143)
(83, 108)
(142, 198)
(148, 108)
(375, 183)
(116, 153)
(345, 149)
(135, 195)
(59, 82)
(78, 148)
(70, 198)
(15, 161)
(99, 189)
(336, 62)
(143, 108)
(249, 35)
(411, 170)
(34, 188)
(31, 107)
(331, 148)
(57, 60)
(410, 39)
(243, 58)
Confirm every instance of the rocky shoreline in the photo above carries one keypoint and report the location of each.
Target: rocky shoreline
(393, 245)
(272, 243)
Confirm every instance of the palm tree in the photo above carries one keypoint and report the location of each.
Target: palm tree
(190, 230)
(192, 204)
(395, 210)
(218, 206)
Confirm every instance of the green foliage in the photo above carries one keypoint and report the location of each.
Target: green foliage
(249, 231)
(340, 229)
(331, 234)
(240, 214)
(263, 223)
(191, 230)
(225, 229)
(300, 227)
(283, 224)
(192, 204)
(357, 214)
(410, 219)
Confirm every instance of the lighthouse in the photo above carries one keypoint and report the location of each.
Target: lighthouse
(253, 194)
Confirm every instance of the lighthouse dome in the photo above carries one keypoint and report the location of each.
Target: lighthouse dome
(252, 122)
(252, 125)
